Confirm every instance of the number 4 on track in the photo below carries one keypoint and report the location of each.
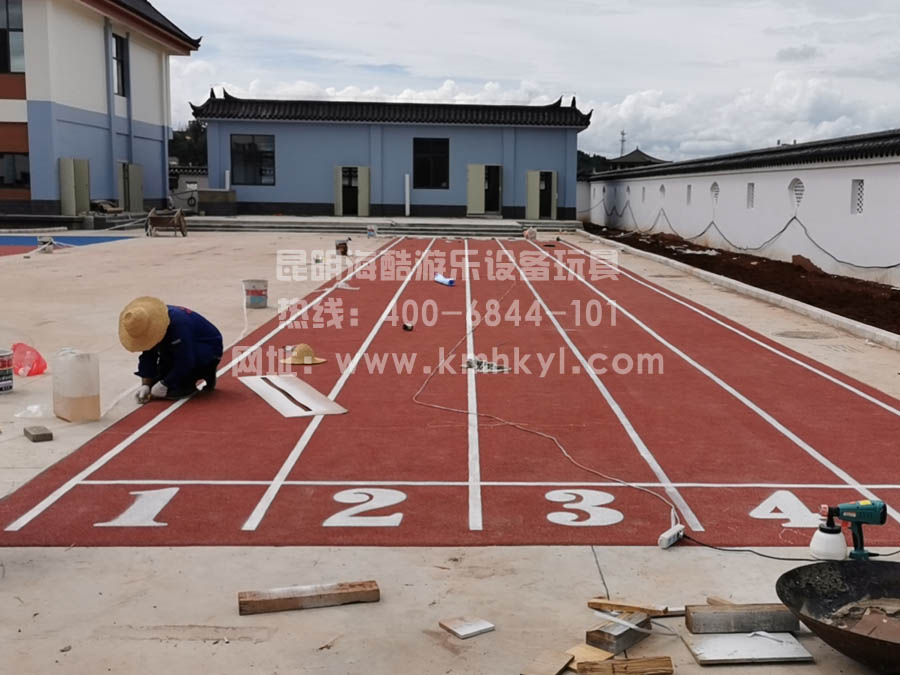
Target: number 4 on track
(784, 505)
(143, 510)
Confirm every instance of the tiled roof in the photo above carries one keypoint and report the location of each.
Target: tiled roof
(185, 170)
(147, 11)
(232, 108)
(863, 146)
(636, 156)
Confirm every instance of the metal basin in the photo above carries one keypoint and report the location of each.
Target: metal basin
(815, 592)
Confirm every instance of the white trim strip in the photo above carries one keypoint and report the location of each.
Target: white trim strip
(265, 502)
(638, 442)
(475, 511)
(465, 484)
(733, 329)
(57, 494)
(774, 423)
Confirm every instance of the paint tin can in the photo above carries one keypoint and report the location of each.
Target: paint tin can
(256, 292)
(6, 371)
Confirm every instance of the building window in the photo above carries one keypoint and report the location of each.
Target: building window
(688, 195)
(431, 163)
(252, 160)
(662, 192)
(120, 65)
(796, 190)
(14, 171)
(12, 50)
(751, 195)
(643, 193)
(857, 196)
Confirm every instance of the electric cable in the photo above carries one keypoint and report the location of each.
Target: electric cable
(746, 550)
(675, 518)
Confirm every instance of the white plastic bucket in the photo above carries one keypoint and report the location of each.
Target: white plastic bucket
(256, 292)
(6, 371)
(76, 385)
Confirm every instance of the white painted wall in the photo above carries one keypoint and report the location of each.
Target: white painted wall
(858, 241)
(65, 61)
(147, 81)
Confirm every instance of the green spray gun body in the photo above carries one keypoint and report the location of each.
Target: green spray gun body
(864, 512)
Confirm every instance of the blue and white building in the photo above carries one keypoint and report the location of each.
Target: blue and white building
(388, 159)
(84, 103)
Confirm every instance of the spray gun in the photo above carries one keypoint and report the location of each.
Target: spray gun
(828, 542)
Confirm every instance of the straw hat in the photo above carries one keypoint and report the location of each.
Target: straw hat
(303, 355)
(143, 324)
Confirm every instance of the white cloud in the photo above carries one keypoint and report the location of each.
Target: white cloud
(683, 79)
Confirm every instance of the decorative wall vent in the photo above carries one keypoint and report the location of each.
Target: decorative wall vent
(714, 191)
(797, 188)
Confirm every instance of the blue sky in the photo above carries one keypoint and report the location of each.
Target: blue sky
(684, 78)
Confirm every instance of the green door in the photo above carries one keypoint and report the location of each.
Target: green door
(338, 191)
(533, 195)
(475, 201)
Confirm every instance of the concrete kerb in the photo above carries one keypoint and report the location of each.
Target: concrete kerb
(876, 335)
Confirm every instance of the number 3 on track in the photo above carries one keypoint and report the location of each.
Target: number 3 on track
(367, 499)
(591, 502)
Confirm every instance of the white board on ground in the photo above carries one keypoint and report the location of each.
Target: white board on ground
(291, 396)
(465, 627)
(760, 647)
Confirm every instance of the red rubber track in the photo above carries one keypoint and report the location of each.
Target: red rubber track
(420, 459)
(15, 250)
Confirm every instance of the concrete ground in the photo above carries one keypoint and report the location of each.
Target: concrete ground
(128, 610)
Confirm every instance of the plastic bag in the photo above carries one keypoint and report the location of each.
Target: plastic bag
(27, 361)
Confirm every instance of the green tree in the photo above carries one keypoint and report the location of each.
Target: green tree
(189, 144)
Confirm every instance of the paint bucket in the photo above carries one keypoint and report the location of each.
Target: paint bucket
(371, 230)
(256, 292)
(6, 371)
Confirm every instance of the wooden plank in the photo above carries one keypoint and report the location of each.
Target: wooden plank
(711, 650)
(585, 652)
(307, 597)
(548, 662)
(614, 637)
(652, 611)
(654, 665)
(465, 627)
(716, 600)
(774, 618)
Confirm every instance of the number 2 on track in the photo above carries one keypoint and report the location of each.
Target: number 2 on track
(367, 499)
(591, 502)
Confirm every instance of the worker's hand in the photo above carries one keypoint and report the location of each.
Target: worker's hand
(159, 390)
(142, 395)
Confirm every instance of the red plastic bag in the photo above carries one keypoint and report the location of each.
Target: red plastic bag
(27, 360)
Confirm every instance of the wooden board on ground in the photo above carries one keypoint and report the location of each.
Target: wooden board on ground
(615, 637)
(716, 600)
(652, 611)
(307, 597)
(654, 665)
(710, 650)
(549, 662)
(464, 627)
(585, 652)
(774, 618)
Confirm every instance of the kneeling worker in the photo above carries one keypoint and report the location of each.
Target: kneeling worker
(179, 348)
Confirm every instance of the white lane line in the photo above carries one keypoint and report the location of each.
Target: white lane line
(475, 513)
(465, 484)
(636, 439)
(774, 423)
(263, 505)
(57, 494)
(849, 387)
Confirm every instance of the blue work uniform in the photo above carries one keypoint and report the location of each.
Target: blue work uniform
(190, 351)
